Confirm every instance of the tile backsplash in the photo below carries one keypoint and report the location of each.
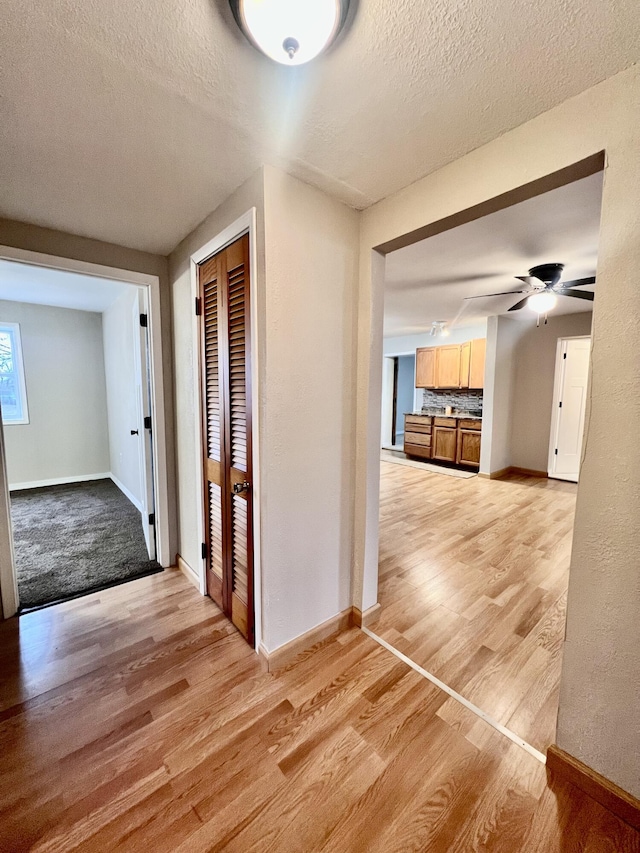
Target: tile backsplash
(462, 400)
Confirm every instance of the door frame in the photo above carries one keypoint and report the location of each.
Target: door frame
(388, 388)
(8, 582)
(555, 408)
(245, 224)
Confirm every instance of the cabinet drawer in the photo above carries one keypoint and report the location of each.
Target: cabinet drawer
(445, 422)
(417, 438)
(423, 428)
(469, 423)
(417, 420)
(417, 450)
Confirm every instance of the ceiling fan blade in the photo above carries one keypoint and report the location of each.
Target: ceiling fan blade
(519, 305)
(531, 280)
(487, 295)
(577, 294)
(578, 282)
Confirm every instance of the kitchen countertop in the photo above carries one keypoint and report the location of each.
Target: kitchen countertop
(456, 416)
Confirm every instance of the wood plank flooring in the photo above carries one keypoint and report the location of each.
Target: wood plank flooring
(473, 583)
(137, 719)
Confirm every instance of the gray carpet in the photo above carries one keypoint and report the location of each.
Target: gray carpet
(73, 539)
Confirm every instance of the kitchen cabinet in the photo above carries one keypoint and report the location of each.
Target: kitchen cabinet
(445, 441)
(448, 366)
(417, 436)
(468, 449)
(465, 361)
(476, 362)
(426, 367)
(452, 365)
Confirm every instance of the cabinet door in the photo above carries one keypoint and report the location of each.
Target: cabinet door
(465, 359)
(448, 367)
(468, 447)
(443, 445)
(426, 367)
(476, 363)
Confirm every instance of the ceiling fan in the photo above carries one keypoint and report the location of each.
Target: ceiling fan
(544, 286)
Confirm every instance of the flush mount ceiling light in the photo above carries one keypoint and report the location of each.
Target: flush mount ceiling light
(291, 32)
(543, 302)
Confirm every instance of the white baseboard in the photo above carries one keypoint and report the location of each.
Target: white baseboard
(59, 481)
(125, 491)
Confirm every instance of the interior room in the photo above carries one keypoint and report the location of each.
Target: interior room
(72, 402)
(391, 616)
(477, 506)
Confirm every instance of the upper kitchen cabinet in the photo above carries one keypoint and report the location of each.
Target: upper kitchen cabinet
(476, 363)
(451, 366)
(426, 367)
(448, 366)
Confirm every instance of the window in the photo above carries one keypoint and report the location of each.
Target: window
(13, 395)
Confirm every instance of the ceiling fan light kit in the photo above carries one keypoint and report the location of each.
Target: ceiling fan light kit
(290, 32)
(542, 302)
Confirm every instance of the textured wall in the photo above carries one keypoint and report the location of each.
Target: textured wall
(311, 278)
(599, 717)
(67, 435)
(535, 364)
(249, 195)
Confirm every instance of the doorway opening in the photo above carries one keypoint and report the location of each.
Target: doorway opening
(78, 393)
(399, 397)
(477, 507)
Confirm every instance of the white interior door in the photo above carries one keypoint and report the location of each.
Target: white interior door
(145, 427)
(570, 401)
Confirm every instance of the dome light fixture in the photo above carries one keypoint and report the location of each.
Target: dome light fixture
(290, 32)
(542, 302)
(439, 329)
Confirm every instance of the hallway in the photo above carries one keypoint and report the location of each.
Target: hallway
(138, 718)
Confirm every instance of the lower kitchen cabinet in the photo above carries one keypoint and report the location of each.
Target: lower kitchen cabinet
(468, 450)
(444, 444)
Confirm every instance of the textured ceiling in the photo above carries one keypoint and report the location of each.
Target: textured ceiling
(44, 286)
(131, 121)
(429, 280)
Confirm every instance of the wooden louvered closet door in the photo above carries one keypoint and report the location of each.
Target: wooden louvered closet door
(226, 405)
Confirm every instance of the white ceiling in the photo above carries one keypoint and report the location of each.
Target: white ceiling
(429, 280)
(131, 121)
(43, 286)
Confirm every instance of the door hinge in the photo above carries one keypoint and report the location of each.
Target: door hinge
(564, 355)
(556, 451)
(152, 518)
(198, 306)
(147, 421)
(143, 321)
(560, 404)
(203, 550)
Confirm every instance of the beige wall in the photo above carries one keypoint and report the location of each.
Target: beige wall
(307, 266)
(535, 364)
(599, 717)
(250, 194)
(66, 436)
(311, 264)
(47, 241)
(503, 334)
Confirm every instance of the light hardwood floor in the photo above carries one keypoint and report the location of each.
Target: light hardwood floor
(137, 719)
(473, 583)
